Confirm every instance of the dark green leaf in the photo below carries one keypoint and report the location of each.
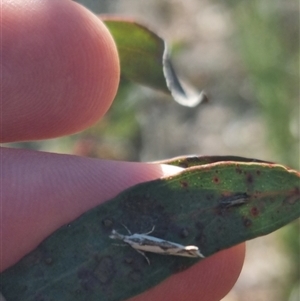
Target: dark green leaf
(144, 59)
(213, 206)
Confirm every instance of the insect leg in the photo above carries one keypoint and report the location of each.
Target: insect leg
(142, 253)
(127, 229)
(149, 231)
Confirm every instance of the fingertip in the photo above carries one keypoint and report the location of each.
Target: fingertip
(60, 69)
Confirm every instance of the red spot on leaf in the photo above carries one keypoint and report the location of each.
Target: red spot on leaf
(184, 184)
(254, 211)
(216, 180)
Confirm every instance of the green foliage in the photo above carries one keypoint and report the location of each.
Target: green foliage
(269, 54)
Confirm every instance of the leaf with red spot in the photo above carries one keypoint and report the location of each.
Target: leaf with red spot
(213, 205)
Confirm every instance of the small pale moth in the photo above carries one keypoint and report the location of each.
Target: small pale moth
(146, 243)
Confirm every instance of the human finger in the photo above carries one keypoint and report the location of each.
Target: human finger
(40, 192)
(60, 69)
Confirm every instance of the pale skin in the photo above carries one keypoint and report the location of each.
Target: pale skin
(50, 88)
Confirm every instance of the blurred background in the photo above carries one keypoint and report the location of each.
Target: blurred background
(245, 54)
